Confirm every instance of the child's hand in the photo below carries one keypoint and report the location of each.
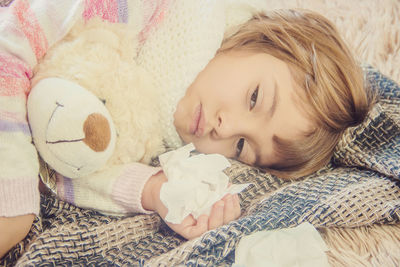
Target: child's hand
(223, 211)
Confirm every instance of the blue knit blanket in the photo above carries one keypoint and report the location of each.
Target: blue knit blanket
(359, 187)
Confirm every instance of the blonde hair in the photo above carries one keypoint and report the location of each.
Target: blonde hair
(333, 95)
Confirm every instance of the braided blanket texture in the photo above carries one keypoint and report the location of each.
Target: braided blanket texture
(359, 187)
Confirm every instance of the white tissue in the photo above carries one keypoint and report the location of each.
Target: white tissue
(194, 183)
(300, 246)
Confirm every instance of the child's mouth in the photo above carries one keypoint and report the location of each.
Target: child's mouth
(198, 121)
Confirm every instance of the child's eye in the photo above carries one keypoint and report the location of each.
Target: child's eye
(239, 147)
(253, 98)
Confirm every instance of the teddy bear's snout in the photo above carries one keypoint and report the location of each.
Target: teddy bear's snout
(97, 132)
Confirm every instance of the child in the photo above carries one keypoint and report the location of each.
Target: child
(278, 95)
(306, 84)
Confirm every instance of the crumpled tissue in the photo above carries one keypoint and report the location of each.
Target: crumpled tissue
(194, 183)
(300, 246)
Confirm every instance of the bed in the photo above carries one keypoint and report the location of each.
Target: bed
(354, 202)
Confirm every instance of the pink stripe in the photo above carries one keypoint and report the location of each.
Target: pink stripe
(12, 66)
(31, 27)
(19, 195)
(154, 12)
(10, 86)
(14, 76)
(105, 9)
(127, 189)
(12, 116)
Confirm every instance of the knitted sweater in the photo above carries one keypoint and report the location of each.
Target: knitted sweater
(178, 39)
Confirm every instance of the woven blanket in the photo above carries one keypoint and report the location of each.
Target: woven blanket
(359, 187)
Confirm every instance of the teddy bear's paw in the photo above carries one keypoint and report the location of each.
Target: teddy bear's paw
(71, 128)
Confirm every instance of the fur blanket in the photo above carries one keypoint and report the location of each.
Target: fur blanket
(351, 198)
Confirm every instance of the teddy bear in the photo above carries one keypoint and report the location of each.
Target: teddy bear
(89, 104)
(103, 96)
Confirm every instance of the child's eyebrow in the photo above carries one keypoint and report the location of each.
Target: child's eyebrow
(271, 112)
(275, 100)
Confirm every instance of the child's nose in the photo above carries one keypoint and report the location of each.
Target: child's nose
(225, 126)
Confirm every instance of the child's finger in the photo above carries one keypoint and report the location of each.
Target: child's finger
(236, 206)
(217, 215)
(229, 212)
(198, 229)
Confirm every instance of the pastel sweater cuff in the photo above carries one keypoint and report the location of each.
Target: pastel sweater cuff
(127, 192)
(19, 197)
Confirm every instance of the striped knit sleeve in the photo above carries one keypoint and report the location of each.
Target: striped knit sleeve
(143, 14)
(115, 190)
(27, 29)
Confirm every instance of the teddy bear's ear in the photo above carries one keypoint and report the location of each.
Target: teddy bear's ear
(71, 128)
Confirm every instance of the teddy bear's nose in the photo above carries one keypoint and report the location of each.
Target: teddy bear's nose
(97, 132)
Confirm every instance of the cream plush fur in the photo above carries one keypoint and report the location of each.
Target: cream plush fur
(99, 57)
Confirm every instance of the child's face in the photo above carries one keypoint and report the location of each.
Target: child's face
(237, 104)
